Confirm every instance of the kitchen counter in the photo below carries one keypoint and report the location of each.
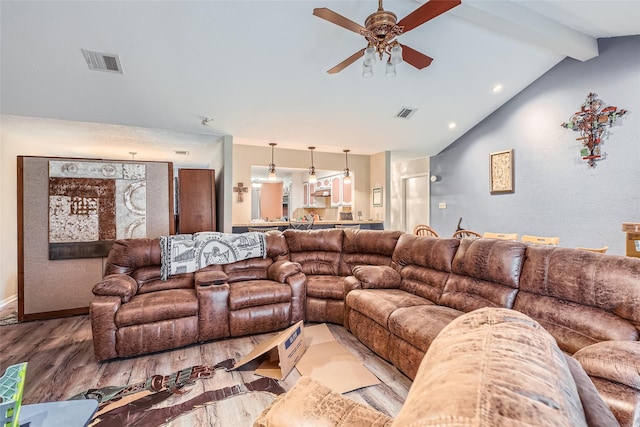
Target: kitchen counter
(242, 227)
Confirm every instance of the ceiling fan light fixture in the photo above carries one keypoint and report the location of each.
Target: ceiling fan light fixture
(391, 69)
(369, 56)
(367, 71)
(395, 56)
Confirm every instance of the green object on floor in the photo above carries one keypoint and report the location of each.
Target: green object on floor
(11, 387)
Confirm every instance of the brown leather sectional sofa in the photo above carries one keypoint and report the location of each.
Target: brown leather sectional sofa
(490, 367)
(395, 292)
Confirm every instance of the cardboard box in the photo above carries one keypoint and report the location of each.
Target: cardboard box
(631, 227)
(283, 352)
(327, 361)
(314, 352)
(633, 245)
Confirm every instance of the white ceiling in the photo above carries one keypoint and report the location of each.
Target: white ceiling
(258, 68)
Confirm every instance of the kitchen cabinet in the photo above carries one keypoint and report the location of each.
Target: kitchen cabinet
(309, 201)
(341, 192)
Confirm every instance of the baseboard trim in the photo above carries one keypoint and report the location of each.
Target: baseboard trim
(8, 300)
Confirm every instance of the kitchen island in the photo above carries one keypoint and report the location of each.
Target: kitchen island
(283, 225)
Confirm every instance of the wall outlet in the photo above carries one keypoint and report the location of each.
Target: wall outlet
(442, 205)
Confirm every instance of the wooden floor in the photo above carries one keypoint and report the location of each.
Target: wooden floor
(62, 364)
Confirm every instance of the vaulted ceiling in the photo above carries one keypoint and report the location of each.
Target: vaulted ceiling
(257, 69)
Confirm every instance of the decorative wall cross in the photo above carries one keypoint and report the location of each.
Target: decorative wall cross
(591, 121)
(240, 189)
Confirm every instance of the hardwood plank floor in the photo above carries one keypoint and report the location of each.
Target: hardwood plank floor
(62, 364)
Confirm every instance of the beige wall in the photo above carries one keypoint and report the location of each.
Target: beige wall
(245, 156)
(378, 178)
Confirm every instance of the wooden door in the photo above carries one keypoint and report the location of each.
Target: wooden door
(196, 200)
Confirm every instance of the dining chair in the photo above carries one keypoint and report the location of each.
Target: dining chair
(538, 240)
(424, 230)
(459, 234)
(599, 250)
(302, 225)
(501, 236)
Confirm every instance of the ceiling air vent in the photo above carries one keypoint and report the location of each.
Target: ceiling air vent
(102, 61)
(406, 113)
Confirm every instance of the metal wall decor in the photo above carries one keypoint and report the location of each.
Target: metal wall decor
(591, 121)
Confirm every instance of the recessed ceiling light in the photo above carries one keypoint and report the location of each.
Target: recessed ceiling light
(497, 88)
(452, 125)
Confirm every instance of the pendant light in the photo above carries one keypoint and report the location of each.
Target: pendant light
(312, 170)
(272, 166)
(347, 175)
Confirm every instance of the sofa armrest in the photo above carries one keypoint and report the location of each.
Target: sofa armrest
(102, 313)
(213, 306)
(279, 271)
(377, 276)
(312, 403)
(117, 285)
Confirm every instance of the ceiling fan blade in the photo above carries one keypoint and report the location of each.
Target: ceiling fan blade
(415, 58)
(344, 64)
(427, 11)
(331, 16)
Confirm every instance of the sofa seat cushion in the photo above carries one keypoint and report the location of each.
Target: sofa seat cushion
(379, 304)
(419, 325)
(157, 306)
(327, 287)
(622, 400)
(254, 293)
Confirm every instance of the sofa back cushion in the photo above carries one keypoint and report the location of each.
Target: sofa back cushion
(485, 273)
(276, 244)
(140, 259)
(317, 251)
(257, 268)
(127, 255)
(424, 263)
(367, 247)
(581, 297)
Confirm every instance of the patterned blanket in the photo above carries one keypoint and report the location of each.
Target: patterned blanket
(186, 253)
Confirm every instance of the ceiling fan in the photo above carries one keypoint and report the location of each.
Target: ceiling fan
(381, 29)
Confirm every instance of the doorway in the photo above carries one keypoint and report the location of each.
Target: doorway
(416, 201)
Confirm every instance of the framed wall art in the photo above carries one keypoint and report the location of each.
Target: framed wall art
(377, 196)
(501, 172)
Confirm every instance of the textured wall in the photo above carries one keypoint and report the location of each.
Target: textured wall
(556, 193)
